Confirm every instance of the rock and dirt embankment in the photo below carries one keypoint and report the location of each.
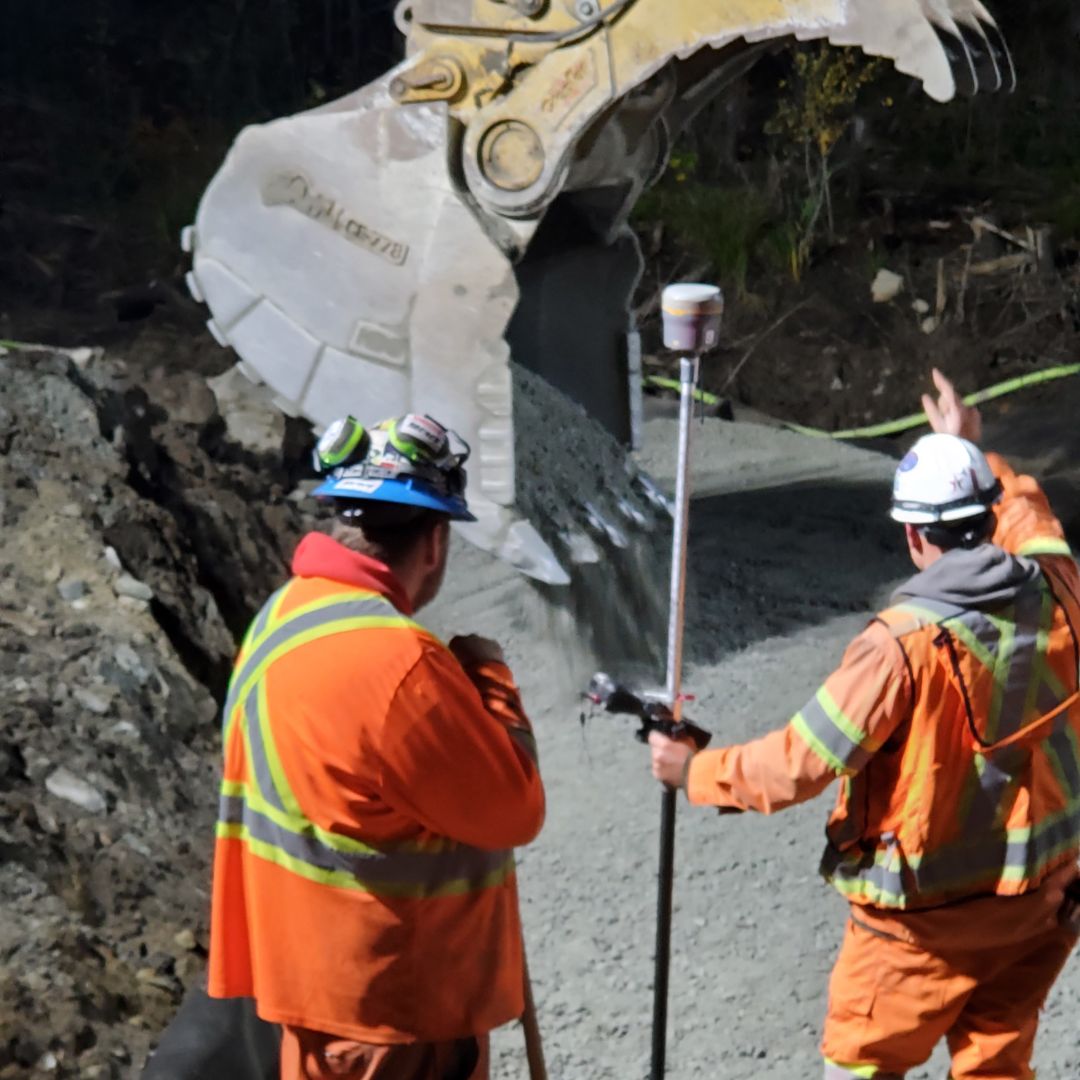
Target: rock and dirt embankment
(135, 540)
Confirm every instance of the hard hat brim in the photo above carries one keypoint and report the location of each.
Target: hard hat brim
(406, 491)
(913, 515)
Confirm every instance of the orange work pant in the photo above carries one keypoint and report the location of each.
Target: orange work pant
(312, 1055)
(975, 974)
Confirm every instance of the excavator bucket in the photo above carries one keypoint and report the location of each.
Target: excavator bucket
(341, 264)
(452, 238)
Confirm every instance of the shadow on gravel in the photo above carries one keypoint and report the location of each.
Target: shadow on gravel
(771, 561)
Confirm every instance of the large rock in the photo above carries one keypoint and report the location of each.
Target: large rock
(65, 785)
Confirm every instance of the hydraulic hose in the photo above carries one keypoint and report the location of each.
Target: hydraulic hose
(905, 423)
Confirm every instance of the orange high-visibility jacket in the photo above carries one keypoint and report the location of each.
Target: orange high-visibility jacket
(373, 792)
(952, 723)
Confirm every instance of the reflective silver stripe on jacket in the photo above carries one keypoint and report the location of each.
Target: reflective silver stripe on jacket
(450, 867)
(978, 862)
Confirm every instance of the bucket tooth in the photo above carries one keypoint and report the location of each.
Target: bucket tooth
(579, 547)
(653, 494)
(606, 528)
(633, 514)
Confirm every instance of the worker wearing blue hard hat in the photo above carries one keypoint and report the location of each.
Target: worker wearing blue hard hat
(375, 783)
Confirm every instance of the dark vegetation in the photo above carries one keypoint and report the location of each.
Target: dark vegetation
(810, 175)
(116, 113)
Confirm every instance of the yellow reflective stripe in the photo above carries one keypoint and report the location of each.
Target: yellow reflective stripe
(373, 879)
(262, 615)
(1000, 672)
(297, 823)
(1042, 645)
(227, 831)
(347, 845)
(851, 731)
(798, 722)
(359, 622)
(1023, 835)
(971, 642)
(245, 649)
(1022, 873)
(269, 615)
(1057, 687)
(861, 1072)
(1048, 748)
(860, 887)
(277, 621)
(1045, 545)
(267, 816)
(318, 613)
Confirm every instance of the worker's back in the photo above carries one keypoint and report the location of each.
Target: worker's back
(354, 891)
(976, 793)
(976, 787)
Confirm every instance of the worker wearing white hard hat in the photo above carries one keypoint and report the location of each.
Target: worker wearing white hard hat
(953, 723)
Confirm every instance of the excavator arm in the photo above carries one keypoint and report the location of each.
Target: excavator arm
(453, 237)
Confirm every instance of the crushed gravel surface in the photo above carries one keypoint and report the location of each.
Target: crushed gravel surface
(790, 551)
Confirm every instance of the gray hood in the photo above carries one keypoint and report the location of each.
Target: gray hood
(982, 577)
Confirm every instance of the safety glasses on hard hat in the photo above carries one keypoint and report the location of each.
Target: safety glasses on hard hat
(413, 445)
(424, 441)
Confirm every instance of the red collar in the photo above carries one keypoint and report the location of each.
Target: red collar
(320, 556)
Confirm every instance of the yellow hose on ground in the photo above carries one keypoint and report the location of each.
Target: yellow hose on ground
(905, 423)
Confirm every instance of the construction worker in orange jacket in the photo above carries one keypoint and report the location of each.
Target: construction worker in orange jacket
(375, 785)
(953, 726)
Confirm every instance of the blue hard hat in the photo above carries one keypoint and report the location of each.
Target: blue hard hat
(412, 461)
(408, 490)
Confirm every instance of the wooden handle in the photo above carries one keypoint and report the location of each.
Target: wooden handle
(534, 1047)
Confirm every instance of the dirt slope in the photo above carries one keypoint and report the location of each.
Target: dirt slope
(119, 500)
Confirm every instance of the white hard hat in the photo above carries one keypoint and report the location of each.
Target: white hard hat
(943, 478)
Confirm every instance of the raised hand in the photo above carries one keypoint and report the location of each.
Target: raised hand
(949, 415)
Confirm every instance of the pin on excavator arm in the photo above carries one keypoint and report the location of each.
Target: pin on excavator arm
(527, 79)
(395, 250)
